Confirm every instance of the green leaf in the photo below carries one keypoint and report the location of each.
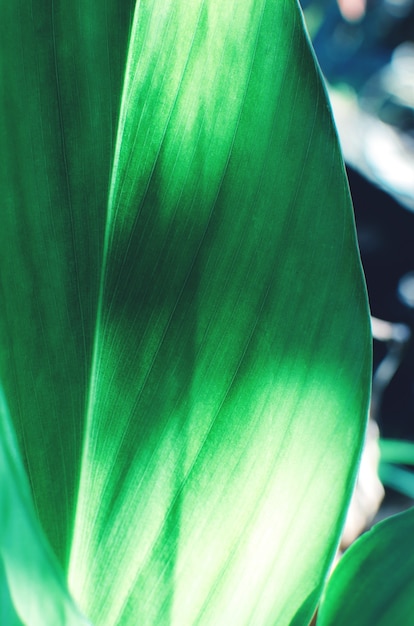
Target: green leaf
(397, 451)
(184, 330)
(398, 478)
(31, 585)
(374, 581)
(61, 68)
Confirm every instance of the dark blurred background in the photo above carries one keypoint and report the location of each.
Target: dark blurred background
(366, 51)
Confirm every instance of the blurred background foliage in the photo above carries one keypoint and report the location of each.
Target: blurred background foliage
(366, 51)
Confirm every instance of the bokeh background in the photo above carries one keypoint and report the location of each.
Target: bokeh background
(366, 51)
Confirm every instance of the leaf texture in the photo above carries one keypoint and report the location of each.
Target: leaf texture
(374, 581)
(61, 68)
(184, 331)
(32, 586)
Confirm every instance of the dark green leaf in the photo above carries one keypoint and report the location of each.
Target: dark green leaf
(374, 581)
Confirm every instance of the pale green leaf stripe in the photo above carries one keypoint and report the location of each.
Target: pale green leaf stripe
(28, 571)
(232, 359)
(374, 581)
(8, 613)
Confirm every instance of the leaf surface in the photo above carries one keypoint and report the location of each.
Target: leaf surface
(32, 588)
(189, 336)
(61, 68)
(374, 581)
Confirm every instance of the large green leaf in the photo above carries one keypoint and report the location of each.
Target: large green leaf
(374, 581)
(187, 336)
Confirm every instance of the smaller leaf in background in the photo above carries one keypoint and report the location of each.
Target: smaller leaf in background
(398, 478)
(397, 451)
(374, 581)
(30, 578)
